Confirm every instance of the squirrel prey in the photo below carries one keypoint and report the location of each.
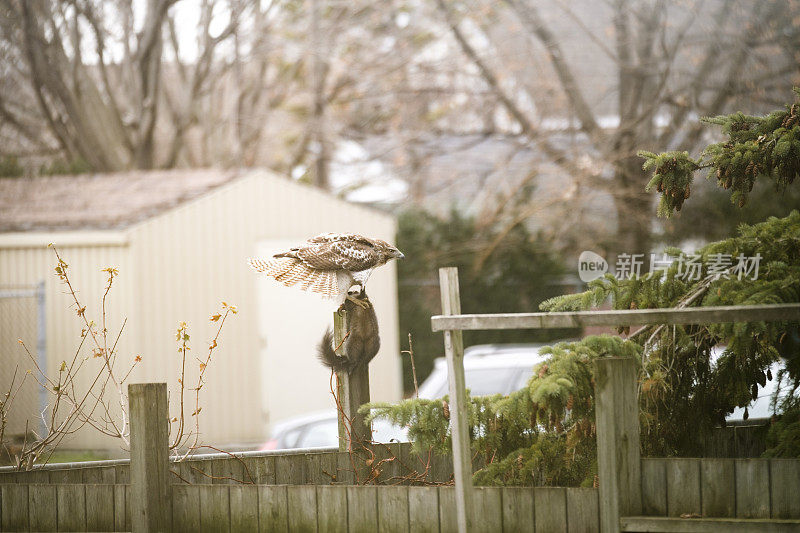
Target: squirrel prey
(361, 342)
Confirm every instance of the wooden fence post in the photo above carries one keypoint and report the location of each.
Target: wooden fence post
(618, 448)
(150, 490)
(459, 429)
(353, 392)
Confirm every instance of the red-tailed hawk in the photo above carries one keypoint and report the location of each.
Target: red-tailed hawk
(329, 264)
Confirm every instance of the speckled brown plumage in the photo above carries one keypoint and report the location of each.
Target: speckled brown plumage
(328, 264)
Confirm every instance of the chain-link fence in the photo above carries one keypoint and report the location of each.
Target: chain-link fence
(22, 318)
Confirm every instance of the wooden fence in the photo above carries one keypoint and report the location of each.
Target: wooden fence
(284, 467)
(305, 491)
(89, 507)
(619, 459)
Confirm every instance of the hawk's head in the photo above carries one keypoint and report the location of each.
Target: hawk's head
(387, 251)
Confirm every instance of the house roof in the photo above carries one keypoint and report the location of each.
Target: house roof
(100, 201)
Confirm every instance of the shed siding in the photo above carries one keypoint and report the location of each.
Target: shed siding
(179, 266)
(206, 244)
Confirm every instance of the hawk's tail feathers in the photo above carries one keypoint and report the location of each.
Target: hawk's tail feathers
(293, 271)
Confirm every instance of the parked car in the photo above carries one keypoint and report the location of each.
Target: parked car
(321, 430)
(488, 369)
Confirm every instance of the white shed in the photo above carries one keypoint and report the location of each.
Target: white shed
(180, 240)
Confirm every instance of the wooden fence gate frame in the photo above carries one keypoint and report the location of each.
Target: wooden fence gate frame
(616, 408)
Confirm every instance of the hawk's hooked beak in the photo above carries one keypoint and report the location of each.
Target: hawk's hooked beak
(398, 254)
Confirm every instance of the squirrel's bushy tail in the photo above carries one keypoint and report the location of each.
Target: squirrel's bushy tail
(328, 357)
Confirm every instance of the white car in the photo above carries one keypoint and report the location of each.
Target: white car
(321, 430)
(488, 369)
(505, 368)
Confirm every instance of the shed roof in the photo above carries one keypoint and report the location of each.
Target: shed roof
(100, 201)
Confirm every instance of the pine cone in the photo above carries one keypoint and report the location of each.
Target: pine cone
(446, 410)
(543, 371)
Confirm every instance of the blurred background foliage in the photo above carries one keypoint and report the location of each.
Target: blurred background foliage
(506, 272)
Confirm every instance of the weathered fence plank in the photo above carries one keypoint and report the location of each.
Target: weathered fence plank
(186, 508)
(654, 487)
(362, 508)
(150, 476)
(392, 509)
(244, 508)
(550, 509)
(99, 475)
(637, 317)
(752, 488)
(192, 472)
(122, 474)
(518, 509)
(67, 475)
(43, 506)
(459, 428)
(447, 510)
(785, 481)
(122, 508)
(583, 510)
(718, 477)
(618, 449)
(488, 512)
(290, 469)
(14, 508)
(345, 468)
(272, 508)
(332, 508)
(423, 509)
(262, 469)
(441, 469)
(392, 469)
(229, 471)
(71, 507)
(683, 487)
(321, 468)
(302, 505)
(215, 508)
(221, 472)
(37, 476)
(99, 507)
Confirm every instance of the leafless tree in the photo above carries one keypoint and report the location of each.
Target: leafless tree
(94, 77)
(666, 62)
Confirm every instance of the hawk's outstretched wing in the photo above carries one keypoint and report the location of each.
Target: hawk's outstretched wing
(329, 263)
(332, 251)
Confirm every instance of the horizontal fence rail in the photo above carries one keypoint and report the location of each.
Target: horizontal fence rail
(634, 317)
(281, 467)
